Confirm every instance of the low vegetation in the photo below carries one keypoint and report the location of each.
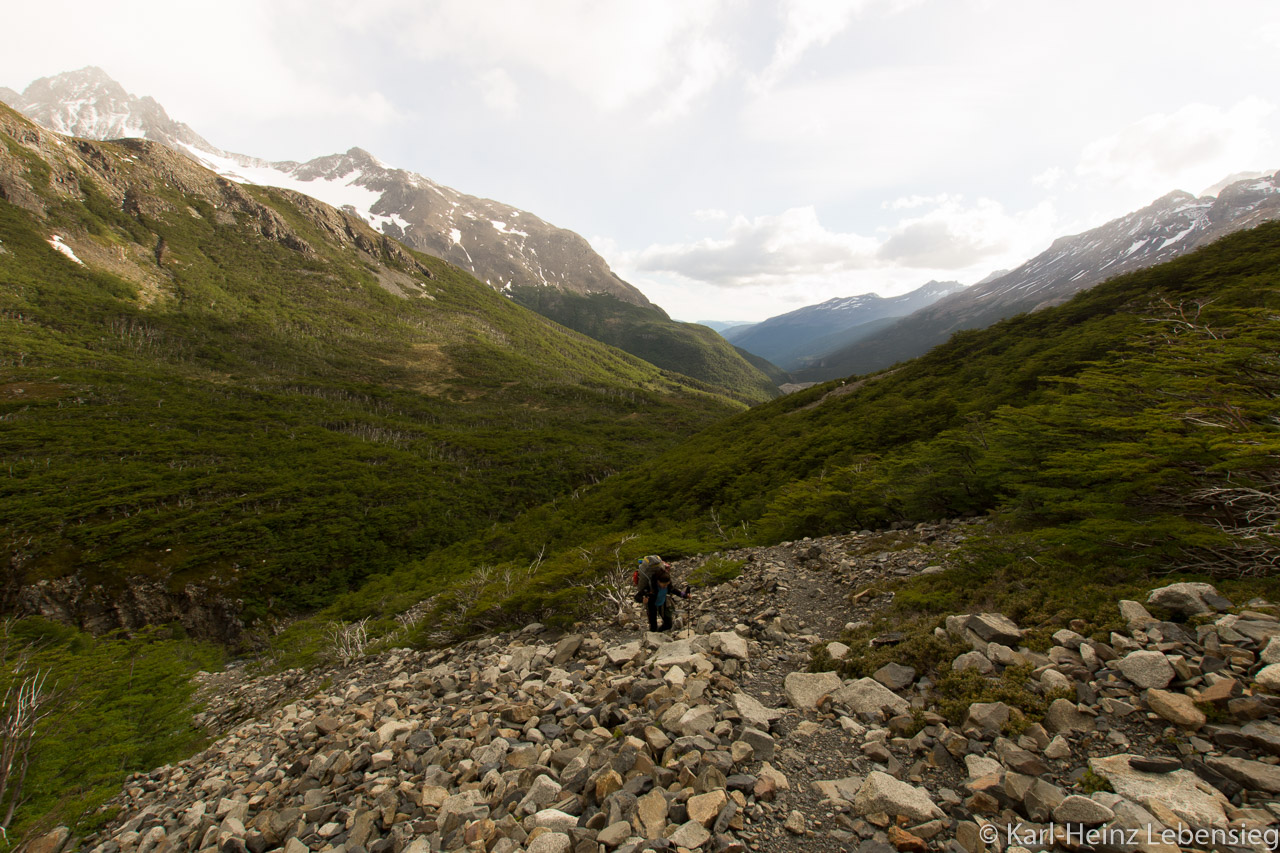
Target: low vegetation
(108, 706)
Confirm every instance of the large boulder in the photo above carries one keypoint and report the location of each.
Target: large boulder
(1185, 599)
(729, 644)
(1253, 775)
(995, 628)
(1146, 669)
(883, 793)
(868, 696)
(1180, 793)
(754, 712)
(1177, 708)
(806, 689)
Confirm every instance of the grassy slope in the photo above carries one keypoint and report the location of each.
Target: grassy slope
(274, 420)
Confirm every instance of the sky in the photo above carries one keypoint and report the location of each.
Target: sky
(734, 159)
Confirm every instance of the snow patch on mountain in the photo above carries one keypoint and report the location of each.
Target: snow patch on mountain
(56, 242)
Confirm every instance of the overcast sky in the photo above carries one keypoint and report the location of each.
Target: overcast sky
(733, 159)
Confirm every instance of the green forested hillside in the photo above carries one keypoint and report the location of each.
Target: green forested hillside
(1133, 429)
(246, 388)
(687, 348)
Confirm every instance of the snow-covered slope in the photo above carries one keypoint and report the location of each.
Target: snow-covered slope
(799, 336)
(1168, 227)
(502, 245)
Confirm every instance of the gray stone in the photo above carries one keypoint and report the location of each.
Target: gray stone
(838, 651)
(995, 628)
(551, 842)
(1068, 638)
(1186, 599)
(690, 835)
(805, 689)
(1064, 717)
(1177, 708)
(615, 833)
(762, 744)
(986, 718)
(895, 676)
(868, 696)
(730, 644)
(1079, 809)
(1041, 799)
(973, 660)
(1254, 775)
(754, 713)
(1136, 615)
(543, 792)
(839, 789)
(1269, 677)
(555, 820)
(1271, 654)
(566, 649)
(1180, 792)
(1146, 669)
(883, 793)
(618, 655)
(1051, 679)
(979, 766)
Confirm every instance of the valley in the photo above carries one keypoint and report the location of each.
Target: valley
(324, 483)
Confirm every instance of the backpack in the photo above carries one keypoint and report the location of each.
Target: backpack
(643, 575)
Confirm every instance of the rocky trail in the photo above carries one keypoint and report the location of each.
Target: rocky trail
(716, 737)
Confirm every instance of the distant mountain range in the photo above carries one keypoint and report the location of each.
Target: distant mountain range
(546, 268)
(1168, 227)
(793, 339)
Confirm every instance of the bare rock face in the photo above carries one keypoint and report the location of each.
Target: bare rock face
(139, 602)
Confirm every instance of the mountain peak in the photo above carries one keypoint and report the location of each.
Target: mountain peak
(90, 104)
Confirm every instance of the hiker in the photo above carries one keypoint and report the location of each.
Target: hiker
(655, 589)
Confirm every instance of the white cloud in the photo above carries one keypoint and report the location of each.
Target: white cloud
(914, 201)
(705, 63)
(872, 128)
(1186, 149)
(958, 236)
(1049, 178)
(498, 90)
(753, 250)
(813, 23)
(952, 236)
(613, 54)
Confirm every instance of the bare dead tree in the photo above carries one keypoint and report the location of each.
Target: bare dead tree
(1250, 518)
(28, 700)
(1183, 316)
(347, 642)
(613, 589)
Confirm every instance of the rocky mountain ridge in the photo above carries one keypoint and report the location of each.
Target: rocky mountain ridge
(1167, 228)
(497, 243)
(717, 738)
(548, 269)
(793, 339)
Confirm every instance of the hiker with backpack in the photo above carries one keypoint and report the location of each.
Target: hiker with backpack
(653, 587)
